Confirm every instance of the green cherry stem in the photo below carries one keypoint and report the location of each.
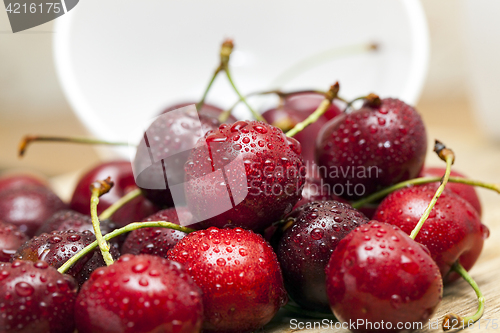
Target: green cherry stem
(99, 188)
(108, 212)
(28, 139)
(448, 156)
(451, 320)
(128, 228)
(420, 181)
(313, 117)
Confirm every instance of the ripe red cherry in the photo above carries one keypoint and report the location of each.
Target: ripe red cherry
(452, 232)
(59, 246)
(71, 220)
(376, 146)
(296, 108)
(156, 241)
(139, 294)
(10, 240)
(465, 191)
(247, 174)
(122, 176)
(168, 140)
(34, 297)
(15, 181)
(28, 207)
(379, 274)
(315, 189)
(305, 248)
(238, 274)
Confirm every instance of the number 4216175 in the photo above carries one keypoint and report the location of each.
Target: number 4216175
(48, 7)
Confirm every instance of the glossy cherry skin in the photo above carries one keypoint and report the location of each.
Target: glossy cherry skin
(371, 148)
(36, 298)
(452, 232)
(16, 181)
(238, 274)
(377, 273)
(156, 241)
(315, 189)
(248, 174)
(123, 177)
(10, 240)
(59, 246)
(467, 192)
(71, 220)
(28, 207)
(139, 294)
(305, 249)
(296, 108)
(168, 141)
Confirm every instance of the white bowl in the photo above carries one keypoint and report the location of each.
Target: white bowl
(119, 61)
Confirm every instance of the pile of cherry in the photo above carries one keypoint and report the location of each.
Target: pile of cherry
(288, 234)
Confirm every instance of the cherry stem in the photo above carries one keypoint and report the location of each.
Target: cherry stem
(324, 57)
(99, 188)
(419, 181)
(313, 314)
(117, 232)
(28, 139)
(313, 117)
(449, 157)
(256, 115)
(372, 99)
(108, 212)
(200, 104)
(452, 320)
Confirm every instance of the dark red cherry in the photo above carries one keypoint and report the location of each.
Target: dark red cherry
(371, 148)
(34, 297)
(452, 232)
(139, 294)
(28, 207)
(161, 154)
(10, 240)
(59, 246)
(238, 274)
(248, 174)
(16, 181)
(296, 108)
(71, 220)
(465, 191)
(305, 248)
(122, 176)
(315, 189)
(156, 241)
(378, 274)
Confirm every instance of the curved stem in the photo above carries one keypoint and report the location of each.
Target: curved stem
(313, 117)
(313, 314)
(256, 115)
(129, 227)
(453, 320)
(200, 104)
(99, 188)
(447, 155)
(28, 139)
(108, 212)
(419, 181)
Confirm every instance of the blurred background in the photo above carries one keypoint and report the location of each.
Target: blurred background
(32, 101)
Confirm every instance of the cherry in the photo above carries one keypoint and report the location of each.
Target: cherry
(295, 108)
(361, 152)
(71, 220)
(247, 174)
(123, 177)
(452, 232)
(305, 248)
(139, 294)
(34, 297)
(465, 191)
(28, 207)
(378, 274)
(59, 246)
(238, 274)
(315, 189)
(169, 140)
(16, 181)
(10, 240)
(156, 241)
(209, 110)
